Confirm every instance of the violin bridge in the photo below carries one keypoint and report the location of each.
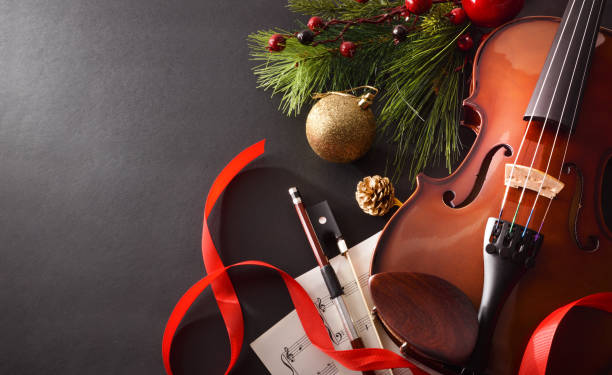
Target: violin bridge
(550, 188)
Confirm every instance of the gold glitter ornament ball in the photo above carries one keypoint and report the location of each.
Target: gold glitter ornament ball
(338, 129)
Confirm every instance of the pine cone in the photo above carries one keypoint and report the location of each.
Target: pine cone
(375, 195)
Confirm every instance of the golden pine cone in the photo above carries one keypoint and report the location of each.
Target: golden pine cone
(375, 195)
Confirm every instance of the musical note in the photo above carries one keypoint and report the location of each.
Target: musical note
(339, 337)
(297, 347)
(362, 324)
(335, 337)
(322, 303)
(351, 286)
(329, 369)
(288, 340)
(287, 358)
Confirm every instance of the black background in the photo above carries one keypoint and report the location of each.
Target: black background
(116, 117)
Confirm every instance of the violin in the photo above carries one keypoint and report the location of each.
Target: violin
(465, 270)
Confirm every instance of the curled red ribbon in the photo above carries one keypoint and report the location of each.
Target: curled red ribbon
(535, 358)
(225, 295)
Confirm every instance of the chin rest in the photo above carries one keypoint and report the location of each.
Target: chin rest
(429, 317)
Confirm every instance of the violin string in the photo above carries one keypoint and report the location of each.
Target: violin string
(584, 74)
(546, 118)
(503, 204)
(559, 124)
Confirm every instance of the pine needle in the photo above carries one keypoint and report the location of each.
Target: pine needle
(419, 78)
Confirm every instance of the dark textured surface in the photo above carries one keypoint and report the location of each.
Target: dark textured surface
(115, 118)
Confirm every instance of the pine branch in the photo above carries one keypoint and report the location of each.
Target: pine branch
(299, 71)
(420, 111)
(321, 8)
(418, 78)
(293, 74)
(341, 9)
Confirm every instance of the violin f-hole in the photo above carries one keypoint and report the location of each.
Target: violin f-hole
(574, 212)
(449, 195)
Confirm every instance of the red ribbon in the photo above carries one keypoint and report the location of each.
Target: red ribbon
(225, 295)
(534, 361)
(535, 357)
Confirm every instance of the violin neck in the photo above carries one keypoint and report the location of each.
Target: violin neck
(558, 93)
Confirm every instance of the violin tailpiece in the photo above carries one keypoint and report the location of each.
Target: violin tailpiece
(509, 251)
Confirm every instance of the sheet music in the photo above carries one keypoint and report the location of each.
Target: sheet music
(286, 350)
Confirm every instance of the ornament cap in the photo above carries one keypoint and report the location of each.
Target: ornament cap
(366, 100)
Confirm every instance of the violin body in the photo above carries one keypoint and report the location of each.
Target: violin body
(440, 228)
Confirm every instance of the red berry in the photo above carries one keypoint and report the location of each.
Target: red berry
(399, 33)
(305, 37)
(491, 13)
(457, 16)
(418, 6)
(315, 23)
(276, 43)
(347, 49)
(362, 1)
(465, 42)
(405, 15)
